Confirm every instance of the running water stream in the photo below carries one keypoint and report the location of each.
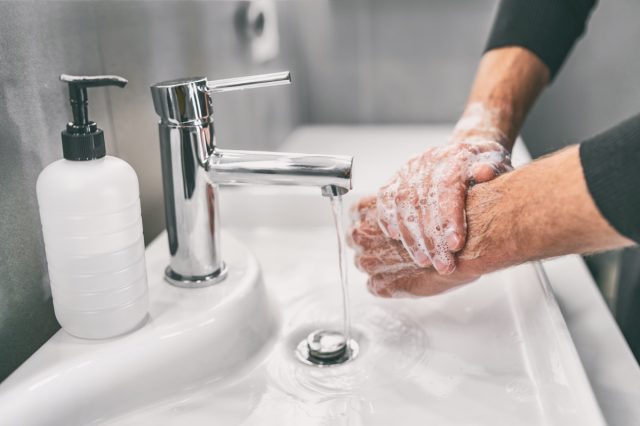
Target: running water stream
(329, 347)
(336, 207)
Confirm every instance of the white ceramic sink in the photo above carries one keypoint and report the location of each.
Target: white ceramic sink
(493, 353)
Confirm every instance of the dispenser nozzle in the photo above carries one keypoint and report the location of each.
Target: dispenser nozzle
(82, 140)
(78, 92)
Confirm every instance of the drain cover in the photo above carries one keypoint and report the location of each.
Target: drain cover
(325, 347)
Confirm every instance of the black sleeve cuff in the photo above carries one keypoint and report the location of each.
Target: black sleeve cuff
(548, 28)
(611, 165)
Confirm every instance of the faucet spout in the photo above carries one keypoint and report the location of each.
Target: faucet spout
(281, 168)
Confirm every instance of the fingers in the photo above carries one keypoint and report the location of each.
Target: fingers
(421, 283)
(386, 198)
(491, 160)
(413, 215)
(483, 172)
(364, 233)
(486, 171)
(447, 225)
(376, 264)
(375, 253)
(361, 209)
(409, 219)
(386, 210)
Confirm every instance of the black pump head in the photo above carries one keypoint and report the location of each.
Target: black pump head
(82, 140)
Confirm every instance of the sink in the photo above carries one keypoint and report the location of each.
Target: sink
(489, 354)
(493, 353)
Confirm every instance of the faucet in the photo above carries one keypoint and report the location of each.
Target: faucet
(193, 167)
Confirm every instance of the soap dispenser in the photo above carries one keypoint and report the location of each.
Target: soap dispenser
(91, 222)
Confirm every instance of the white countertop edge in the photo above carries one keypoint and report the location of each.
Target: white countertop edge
(611, 368)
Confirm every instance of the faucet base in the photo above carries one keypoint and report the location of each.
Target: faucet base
(183, 281)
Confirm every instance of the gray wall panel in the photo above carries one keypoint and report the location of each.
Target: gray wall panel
(37, 43)
(143, 41)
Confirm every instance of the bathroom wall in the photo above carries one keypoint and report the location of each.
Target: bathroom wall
(143, 41)
(37, 43)
(412, 62)
(389, 62)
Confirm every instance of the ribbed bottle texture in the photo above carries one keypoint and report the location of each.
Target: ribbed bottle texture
(92, 228)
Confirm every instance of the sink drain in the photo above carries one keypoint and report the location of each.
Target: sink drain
(324, 348)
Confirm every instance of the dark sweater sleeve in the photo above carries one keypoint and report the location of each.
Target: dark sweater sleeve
(611, 165)
(548, 28)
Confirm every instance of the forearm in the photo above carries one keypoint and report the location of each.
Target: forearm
(538, 211)
(507, 83)
(528, 43)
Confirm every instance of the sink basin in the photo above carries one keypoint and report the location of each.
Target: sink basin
(493, 353)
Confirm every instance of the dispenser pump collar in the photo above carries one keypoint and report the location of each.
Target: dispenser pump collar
(82, 140)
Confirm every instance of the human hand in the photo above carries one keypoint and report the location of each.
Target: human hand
(391, 270)
(423, 205)
(510, 221)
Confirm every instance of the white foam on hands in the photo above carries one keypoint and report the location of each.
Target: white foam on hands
(423, 204)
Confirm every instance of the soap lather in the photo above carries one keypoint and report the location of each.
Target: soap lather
(91, 222)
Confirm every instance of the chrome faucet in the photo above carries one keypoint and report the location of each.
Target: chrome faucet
(193, 167)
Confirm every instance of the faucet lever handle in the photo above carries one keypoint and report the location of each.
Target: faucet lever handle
(249, 82)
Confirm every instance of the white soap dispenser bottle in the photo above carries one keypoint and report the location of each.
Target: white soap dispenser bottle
(90, 213)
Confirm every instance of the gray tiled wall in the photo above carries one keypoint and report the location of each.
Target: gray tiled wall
(380, 61)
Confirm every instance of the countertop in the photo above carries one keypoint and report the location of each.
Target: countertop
(610, 366)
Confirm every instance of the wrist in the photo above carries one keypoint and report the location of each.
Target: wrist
(508, 81)
(538, 211)
(491, 240)
(482, 122)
